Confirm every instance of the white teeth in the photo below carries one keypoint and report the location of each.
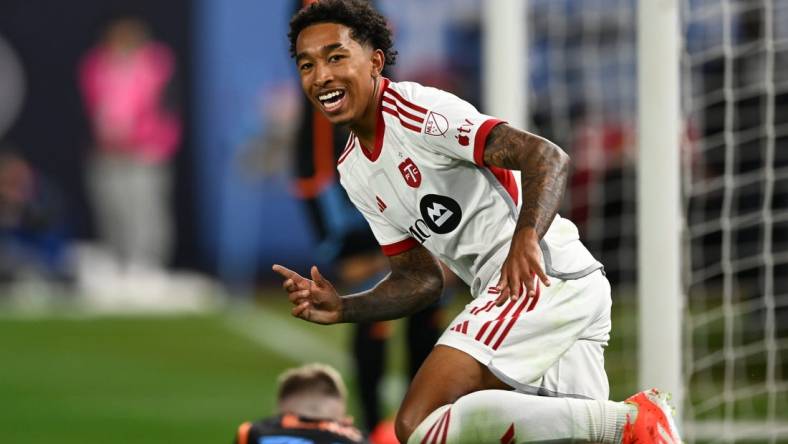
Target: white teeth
(329, 96)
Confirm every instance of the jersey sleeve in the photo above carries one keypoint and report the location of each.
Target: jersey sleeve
(392, 240)
(455, 128)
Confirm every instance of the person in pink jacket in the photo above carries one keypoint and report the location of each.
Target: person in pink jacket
(124, 80)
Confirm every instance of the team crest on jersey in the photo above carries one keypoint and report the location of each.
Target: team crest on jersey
(436, 125)
(442, 214)
(410, 172)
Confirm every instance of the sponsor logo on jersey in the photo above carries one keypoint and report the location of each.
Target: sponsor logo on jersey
(436, 125)
(441, 214)
(463, 131)
(410, 172)
(420, 231)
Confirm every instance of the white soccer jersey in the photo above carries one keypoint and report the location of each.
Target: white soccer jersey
(425, 182)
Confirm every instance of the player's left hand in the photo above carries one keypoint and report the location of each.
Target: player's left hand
(522, 265)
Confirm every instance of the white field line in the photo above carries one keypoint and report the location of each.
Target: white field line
(285, 337)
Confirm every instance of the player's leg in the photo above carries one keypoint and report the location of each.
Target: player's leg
(574, 353)
(507, 416)
(446, 375)
(468, 357)
(479, 414)
(510, 417)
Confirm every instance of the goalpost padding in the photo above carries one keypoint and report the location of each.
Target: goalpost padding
(659, 199)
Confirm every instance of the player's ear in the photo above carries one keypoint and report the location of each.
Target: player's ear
(378, 61)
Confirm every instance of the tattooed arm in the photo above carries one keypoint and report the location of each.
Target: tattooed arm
(415, 281)
(544, 168)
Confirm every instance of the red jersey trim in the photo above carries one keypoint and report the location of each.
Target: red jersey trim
(405, 124)
(348, 148)
(399, 247)
(403, 111)
(407, 103)
(504, 176)
(380, 128)
(480, 141)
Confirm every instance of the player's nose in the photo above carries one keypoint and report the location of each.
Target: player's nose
(323, 75)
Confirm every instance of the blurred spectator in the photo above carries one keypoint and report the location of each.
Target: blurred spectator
(311, 408)
(124, 81)
(12, 86)
(33, 232)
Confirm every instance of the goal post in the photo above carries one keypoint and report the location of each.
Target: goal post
(659, 219)
(504, 66)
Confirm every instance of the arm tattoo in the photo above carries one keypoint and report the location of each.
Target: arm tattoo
(544, 168)
(415, 281)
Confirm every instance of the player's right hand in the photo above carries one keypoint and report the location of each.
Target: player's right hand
(315, 299)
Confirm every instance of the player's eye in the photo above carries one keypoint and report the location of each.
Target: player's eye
(335, 58)
(304, 66)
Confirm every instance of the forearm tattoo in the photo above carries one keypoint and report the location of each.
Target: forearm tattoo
(544, 168)
(415, 281)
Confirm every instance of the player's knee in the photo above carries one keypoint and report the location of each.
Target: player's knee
(405, 424)
(414, 424)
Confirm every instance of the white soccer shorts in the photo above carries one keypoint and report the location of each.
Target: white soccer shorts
(550, 344)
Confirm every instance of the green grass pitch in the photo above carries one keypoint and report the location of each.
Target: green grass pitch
(176, 379)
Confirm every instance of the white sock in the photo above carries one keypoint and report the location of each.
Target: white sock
(509, 417)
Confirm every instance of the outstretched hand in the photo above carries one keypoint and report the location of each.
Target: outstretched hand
(315, 299)
(522, 265)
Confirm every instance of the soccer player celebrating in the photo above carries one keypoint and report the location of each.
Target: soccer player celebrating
(523, 362)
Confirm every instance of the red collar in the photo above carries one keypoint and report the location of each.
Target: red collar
(380, 127)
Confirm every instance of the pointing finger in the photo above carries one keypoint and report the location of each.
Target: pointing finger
(285, 272)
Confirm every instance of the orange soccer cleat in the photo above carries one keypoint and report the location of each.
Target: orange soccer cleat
(654, 422)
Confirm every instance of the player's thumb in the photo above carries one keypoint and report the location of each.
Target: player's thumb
(317, 277)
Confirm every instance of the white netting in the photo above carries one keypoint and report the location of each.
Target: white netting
(735, 182)
(735, 100)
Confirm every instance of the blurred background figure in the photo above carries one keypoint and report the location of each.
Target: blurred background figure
(311, 408)
(33, 229)
(124, 82)
(12, 86)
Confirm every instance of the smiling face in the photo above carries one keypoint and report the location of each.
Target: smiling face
(338, 74)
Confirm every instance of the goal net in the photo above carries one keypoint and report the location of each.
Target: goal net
(734, 100)
(735, 183)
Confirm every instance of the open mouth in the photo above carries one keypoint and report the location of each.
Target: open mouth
(332, 100)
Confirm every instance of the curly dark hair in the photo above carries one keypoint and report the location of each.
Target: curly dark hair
(366, 25)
